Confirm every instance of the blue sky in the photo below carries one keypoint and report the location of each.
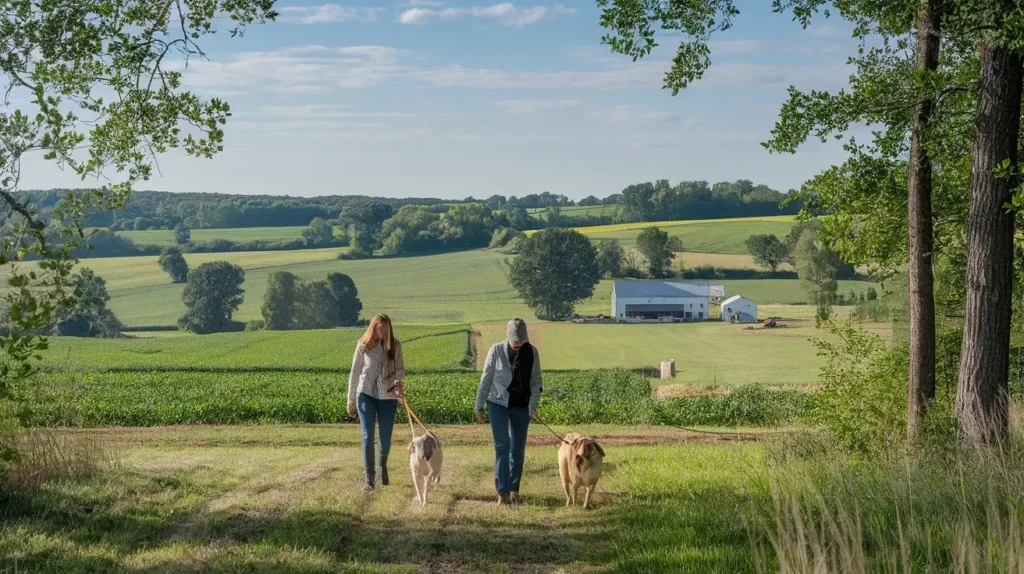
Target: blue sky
(451, 99)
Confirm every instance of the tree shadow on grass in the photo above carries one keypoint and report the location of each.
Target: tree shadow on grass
(699, 530)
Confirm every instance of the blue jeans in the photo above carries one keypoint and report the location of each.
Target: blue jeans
(370, 411)
(509, 427)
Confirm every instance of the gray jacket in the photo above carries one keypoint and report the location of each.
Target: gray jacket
(498, 376)
(365, 367)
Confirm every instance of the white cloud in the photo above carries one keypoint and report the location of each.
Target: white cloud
(506, 14)
(329, 14)
(321, 69)
(622, 114)
(534, 107)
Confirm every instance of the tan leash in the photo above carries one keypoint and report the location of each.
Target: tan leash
(413, 417)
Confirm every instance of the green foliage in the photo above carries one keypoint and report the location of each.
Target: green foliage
(347, 305)
(320, 233)
(748, 405)
(555, 269)
(575, 397)
(767, 251)
(87, 314)
(95, 95)
(657, 248)
(503, 236)
(173, 262)
(211, 296)
(182, 234)
(314, 305)
(817, 274)
(610, 258)
(862, 404)
(279, 301)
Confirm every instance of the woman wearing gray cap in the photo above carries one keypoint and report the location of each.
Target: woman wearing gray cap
(510, 388)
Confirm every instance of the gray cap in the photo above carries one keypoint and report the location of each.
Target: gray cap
(517, 331)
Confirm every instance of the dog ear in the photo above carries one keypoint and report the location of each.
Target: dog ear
(428, 448)
(598, 447)
(579, 463)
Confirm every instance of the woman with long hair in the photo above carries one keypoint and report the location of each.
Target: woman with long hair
(374, 387)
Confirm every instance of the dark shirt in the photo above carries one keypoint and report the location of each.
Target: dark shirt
(522, 369)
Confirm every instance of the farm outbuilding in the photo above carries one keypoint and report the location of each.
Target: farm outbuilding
(636, 301)
(740, 310)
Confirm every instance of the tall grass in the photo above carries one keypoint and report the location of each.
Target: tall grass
(943, 510)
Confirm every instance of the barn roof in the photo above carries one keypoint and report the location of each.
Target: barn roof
(734, 299)
(644, 289)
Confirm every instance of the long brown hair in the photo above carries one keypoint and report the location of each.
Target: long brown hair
(371, 340)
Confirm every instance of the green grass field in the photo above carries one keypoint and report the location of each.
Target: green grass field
(424, 348)
(466, 287)
(706, 354)
(701, 236)
(164, 237)
(287, 500)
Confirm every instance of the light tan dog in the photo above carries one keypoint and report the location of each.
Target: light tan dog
(425, 462)
(579, 465)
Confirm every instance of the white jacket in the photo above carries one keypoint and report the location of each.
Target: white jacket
(498, 375)
(365, 367)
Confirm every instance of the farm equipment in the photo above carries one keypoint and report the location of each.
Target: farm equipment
(770, 323)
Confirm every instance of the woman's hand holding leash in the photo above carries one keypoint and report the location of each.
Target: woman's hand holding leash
(352, 411)
(536, 417)
(480, 416)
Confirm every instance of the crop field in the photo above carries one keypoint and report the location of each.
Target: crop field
(702, 236)
(140, 399)
(163, 237)
(722, 261)
(424, 349)
(283, 500)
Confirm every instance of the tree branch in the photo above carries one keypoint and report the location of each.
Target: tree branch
(22, 210)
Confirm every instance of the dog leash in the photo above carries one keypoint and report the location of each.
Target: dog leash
(552, 431)
(412, 417)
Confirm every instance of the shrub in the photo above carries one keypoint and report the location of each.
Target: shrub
(503, 236)
(256, 325)
(748, 405)
(863, 401)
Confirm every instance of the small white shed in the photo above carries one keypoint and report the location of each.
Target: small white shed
(744, 310)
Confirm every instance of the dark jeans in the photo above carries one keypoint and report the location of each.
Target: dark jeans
(509, 427)
(370, 411)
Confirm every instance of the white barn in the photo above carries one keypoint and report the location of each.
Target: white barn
(635, 301)
(745, 310)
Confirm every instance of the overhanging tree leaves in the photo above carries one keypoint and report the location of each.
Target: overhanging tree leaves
(94, 86)
(555, 269)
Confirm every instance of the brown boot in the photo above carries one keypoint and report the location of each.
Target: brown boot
(513, 498)
(368, 487)
(503, 498)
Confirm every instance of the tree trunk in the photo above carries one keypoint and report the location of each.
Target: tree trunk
(982, 401)
(921, 382)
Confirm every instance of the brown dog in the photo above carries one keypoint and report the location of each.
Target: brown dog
(579, 465)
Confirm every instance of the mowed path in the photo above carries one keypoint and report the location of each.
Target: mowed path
(288, 499)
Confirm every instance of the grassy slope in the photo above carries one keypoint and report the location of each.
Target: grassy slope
(265, 500)
(705, 353)
(461, 287)
(703, 236)
(166, 236)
